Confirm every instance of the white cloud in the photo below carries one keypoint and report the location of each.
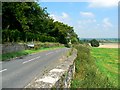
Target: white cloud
(64, 17)
(103, 3)
(106, 23)
(59, 17)
(87, 14)
(56, 18)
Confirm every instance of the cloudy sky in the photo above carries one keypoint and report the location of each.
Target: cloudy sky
(96, 19)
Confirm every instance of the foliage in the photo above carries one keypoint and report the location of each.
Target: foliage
(94, 43)
(87, 73)
(28, 21)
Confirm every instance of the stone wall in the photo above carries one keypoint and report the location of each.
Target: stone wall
(14, 47)
(0, 48)
(59, 77)
(9, 47)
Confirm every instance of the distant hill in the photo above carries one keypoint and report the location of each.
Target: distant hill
(102, 40)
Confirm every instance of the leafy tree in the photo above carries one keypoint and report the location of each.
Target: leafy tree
(94, 43)
(27, 21)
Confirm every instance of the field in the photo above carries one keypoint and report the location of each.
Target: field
(107, 62)
(108, 45)
(96, 68)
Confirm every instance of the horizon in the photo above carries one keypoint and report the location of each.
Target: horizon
(100, 38)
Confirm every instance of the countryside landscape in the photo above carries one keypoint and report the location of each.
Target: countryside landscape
(59, 45)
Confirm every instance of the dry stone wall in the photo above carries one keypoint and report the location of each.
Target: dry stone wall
(7, 48)
(14, 47)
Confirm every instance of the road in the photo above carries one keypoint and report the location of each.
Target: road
(19, 72)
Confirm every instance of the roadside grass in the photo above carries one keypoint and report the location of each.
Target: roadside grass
(9, 56)
(88, 74)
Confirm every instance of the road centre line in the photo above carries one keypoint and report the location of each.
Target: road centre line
(31, 60)
(49, 53)
(3, 70)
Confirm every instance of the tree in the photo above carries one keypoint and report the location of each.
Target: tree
(94, 43)
(28, 21)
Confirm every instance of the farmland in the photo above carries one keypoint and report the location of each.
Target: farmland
(107, 62)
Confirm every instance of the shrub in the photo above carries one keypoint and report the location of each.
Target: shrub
(94, 43)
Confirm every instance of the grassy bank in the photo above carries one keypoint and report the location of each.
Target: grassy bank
(88, 73)
(8, 56)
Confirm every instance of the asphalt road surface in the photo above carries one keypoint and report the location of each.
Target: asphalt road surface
(19, 72)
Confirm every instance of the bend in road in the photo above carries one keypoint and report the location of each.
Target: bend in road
(18, 73)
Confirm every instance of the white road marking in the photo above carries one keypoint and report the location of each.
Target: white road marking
(49, 53)
(3, 70)
(31, 60)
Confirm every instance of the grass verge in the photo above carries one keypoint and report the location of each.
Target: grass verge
(8, 56)
(87, 73)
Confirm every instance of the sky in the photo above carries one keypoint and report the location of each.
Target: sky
(90, 19)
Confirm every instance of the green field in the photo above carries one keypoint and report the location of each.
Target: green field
(96, 68)
(106, 60)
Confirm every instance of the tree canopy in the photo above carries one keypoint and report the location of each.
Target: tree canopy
(27, 21)
(94, 43)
